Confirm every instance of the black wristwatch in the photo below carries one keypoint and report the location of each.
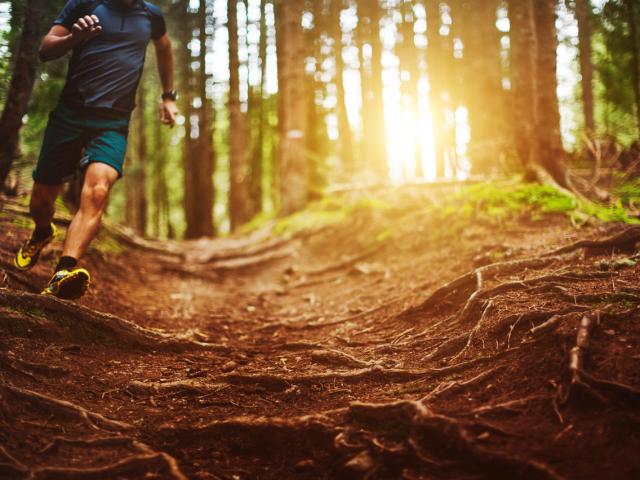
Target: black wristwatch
(172, 95)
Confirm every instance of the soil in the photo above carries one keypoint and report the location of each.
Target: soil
(390, 346)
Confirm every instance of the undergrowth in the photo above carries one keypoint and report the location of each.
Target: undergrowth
(495, 202)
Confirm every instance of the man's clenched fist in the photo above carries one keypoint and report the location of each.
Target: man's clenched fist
(86, 28)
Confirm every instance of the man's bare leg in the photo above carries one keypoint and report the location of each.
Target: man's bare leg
(99, 179)
(42, 205)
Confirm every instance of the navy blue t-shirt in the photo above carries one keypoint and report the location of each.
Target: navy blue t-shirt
(104, 71)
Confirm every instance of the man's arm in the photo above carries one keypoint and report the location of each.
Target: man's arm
(164, 55)
(60, 40)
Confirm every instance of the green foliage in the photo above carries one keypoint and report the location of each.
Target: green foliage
(629, 193)
(615, 110)
(501, 201)
(327, 212)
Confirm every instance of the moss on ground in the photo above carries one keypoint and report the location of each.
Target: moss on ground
(504, 200)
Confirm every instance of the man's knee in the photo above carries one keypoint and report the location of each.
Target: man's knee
(95, 195)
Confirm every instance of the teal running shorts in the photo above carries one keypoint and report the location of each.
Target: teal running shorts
(74, 138)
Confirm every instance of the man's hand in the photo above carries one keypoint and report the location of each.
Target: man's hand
(168, 112)
(85, 28)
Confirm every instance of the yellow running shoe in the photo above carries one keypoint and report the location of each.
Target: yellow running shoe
(68, 284)
(29, 253)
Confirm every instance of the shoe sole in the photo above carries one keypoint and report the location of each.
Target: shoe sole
(74, 286)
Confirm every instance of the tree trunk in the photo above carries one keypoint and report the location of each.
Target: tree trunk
(344, 127)
(292, 154)
(550, 150)
(631, 6)
(409, 79)
(258, 159)
(140, 182)
(239, 194)
(198, 156)
(523, 81)
(485, 98)
(21, 87)
(375, 138)
(583, 16)
(436, 53)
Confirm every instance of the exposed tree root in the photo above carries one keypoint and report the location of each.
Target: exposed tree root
(141, 464)
(49, 316)
(432, 436)
(64, 408)
(475, 280)
(474, 304)
(136, 466)
(624, 241)
(449, 386)
(187, 387)
(282, 382)
(14, 468)
(259, 435)
(337, 358)
(581, 380)
(454, 345)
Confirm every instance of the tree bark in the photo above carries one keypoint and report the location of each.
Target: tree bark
(344, 127)
(523, 57)
(140, 181)
(410, 76)
(632, 19)
(583, 16)
(198, 156)
(21, 87)
(550, 149)
(292, 98)
(257, 166)
(239, 194)
(485, 97)
(375, 138)
(436, 53)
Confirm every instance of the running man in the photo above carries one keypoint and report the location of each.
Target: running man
(88, 129)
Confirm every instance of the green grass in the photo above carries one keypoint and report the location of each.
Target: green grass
(501, 201)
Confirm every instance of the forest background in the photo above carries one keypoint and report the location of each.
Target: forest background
(283, 102)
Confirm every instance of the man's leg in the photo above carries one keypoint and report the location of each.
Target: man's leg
(99, 179)
(42, 207)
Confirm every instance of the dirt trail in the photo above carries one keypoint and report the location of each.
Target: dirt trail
(391, 345)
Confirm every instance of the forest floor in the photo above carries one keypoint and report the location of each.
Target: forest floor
(415, 334)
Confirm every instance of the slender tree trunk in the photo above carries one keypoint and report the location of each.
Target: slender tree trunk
(485, 97)
(239, 194)
(523, 56)
(631, 7)
(365, 90)
(410, 76)
(583, 15)
(550, 150)
(436, 64)
(257, 166)
(198, 156)
(344, 127)
(370, 14)
(22, 81)
(140, 196)
(206, 153)
(292, 152)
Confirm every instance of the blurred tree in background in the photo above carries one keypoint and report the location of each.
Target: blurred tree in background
(282, 100)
